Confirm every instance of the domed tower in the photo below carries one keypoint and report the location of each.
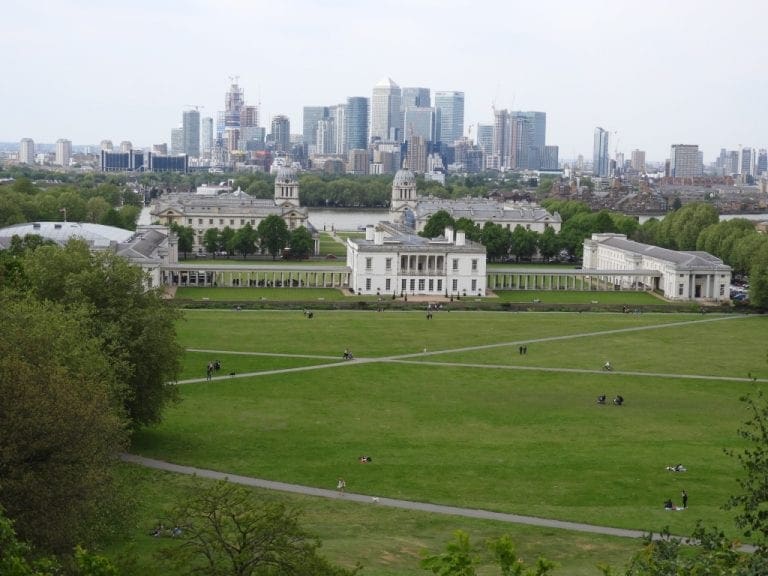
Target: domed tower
(403, 194)
(287, 188)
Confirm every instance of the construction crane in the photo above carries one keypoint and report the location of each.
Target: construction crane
(195, 106)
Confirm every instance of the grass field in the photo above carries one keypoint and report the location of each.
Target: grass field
(484, 427)
(277, 294)
(571, 297)
(329, 245)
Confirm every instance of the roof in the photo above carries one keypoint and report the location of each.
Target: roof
(233, 204)
(485, 209)
(682, 259)
(96, 235)
(144, 246)
(397, 238)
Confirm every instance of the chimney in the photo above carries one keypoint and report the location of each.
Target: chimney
(378, 237)
(369, 232)
(449, 234)
(461, 238)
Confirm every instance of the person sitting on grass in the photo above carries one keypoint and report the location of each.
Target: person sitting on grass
(668, 505)
(601, 399)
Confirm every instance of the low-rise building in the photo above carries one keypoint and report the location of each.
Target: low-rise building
(392, 260)
(678, 275)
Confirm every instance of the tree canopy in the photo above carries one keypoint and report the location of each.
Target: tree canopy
(273, 234)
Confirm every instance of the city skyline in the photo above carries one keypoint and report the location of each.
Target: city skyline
(651, 78)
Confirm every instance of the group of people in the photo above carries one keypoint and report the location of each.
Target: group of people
(213, 366)
(308, 313)
(617, 401)
(677, 468)
(347, 355)
(669, 505)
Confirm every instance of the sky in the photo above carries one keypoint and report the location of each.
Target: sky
(652, 72)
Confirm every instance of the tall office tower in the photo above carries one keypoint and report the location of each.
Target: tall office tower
(190, 123)
(684, 161)
(537, 128)
(732, 163)
(310, 117)
(356, 121)
(500, 148)
(228, 120)
(249, 116)
(27, 151)
(484, 138)
(550, 158)
(249, 127)
(415, 98)
(386, 122)
(747, 161)
(419, 122)
(519, 141)
(160, 149)
(177, 141)
(281, 133)
(126, 146)
(338, 115)
(762, 162)
(600, 153)
(450, 105)
(638, 160)
(63, 152)
(325, 137)
(206, 137)
(106, 145)
(416, 157)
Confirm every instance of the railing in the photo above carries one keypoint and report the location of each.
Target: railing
(424, 272)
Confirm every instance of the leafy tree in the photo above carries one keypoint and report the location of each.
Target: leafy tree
(460, 558)
(212, 241)
(301, 243)
(185, 236)
(496, 240)
(468, 226)
(228, 240)
(136, 326)
(437, 223)
(273, 234)
(225, 532)
(245, 240)
(523, 243)
(96, 209)
(680, 229)
(16, 555)
(61, 423)
(548, 243)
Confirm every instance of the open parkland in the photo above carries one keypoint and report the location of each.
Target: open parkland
(452, 413)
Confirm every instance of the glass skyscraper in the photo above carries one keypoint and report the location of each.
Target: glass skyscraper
(450, 105)
(356, 122)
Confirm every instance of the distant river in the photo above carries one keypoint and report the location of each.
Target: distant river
(757, 217)
(346, 219)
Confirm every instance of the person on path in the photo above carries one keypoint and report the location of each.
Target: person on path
(525, 350)
(684, 495)
(341, 485)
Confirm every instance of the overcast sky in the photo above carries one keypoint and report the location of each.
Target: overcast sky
(655, 72)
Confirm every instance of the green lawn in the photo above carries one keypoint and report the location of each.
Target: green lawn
(528, 441)
(195, 363)
(388, 542)
(575, 297)
(238, 261)
(280, 294)
(329, 245)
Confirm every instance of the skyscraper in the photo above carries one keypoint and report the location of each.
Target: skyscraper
(281, 133)
(762, 161)
(27, 151)
(684, 161)
(177, 140)
(419, 122)
(206, 137)
(356, 121)
(500, 144)
(126, 146)
(190, 123)
(638, 160)
(484, 138)
(450, 105)
(747, 161)
(63, 152)
(416, 156)
(415, 97)
(106, 145)
(338, 115)
(386, 121)
(600, 153)
(311, 116)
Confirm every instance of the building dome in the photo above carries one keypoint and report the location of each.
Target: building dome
(404, 177)
(286, 175)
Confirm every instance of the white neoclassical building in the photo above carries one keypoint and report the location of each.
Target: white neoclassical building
(211, 207)
(408, 208)
(679, 275)
(392, 260)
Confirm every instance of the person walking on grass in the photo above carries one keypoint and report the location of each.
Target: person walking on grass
(341, 485)
(684, 496)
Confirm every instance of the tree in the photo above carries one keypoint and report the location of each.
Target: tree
(273, 234)
(228, 240)
(437, 223)
(225, 532)
(61, 424)
(301, 243)
(212, 241)
(136, 326)
(245, 240)
(523, 243)
(496, 240)
(185, 237)
(16, 555)
(549, 243)
(468, 226)
(460, 558)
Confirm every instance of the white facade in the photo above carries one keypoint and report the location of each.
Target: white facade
(27, 151)
(63, 152)
(678, 275)
(394, 261)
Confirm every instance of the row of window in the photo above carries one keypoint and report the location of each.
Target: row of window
(388, 264)
(221, 221)
(434, 285)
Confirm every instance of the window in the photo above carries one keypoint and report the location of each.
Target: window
(474, 285)
(431, 285)
(387, 284)
(388, 263)
(189, 220)
(232, 222)
(210, 220)
(421, 284)
(474, 265)
(404, 285)
(439, 285)
(455, 263)
(221, 220)
(368, 263)
(253, 221)
(454, 284)
(722, 289)
(680, 289)
(413, 284)
(367, 284)
(242, 221)
(200, 221)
